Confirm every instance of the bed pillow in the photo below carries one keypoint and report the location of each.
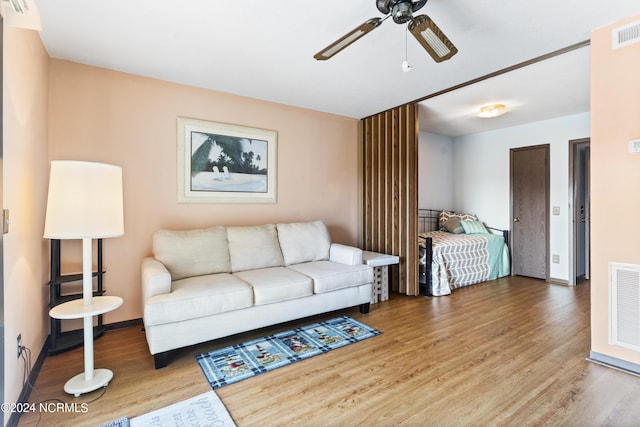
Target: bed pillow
(473, 227)
(453, 225)
(445, 216)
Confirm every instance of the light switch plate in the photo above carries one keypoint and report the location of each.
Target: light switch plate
(556, 210)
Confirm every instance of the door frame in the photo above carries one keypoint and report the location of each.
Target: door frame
(2, 216)
(547, 203)
(573, 239)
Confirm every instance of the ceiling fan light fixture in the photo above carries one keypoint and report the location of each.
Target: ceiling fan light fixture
(346, 40)
(432, 38)
(493, 110)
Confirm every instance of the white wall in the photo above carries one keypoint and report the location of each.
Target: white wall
(435, 171)
(481, 184)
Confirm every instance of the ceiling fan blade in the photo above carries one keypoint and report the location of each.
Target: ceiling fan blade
(347, 39)
(432, 38)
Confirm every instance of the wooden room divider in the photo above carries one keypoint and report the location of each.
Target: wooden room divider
(390, 186)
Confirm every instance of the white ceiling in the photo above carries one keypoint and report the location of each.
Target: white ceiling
(264, 49)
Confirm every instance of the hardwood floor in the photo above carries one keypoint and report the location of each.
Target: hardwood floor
(504, 353)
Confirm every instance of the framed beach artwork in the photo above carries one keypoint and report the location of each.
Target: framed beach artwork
(225, 163)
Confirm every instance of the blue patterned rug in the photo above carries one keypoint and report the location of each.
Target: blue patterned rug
(235, 363)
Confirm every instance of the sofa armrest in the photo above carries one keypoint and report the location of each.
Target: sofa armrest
(156, 279)
(343, 254)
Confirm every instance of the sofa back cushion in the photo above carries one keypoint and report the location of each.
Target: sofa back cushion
(254, 247)
(192, 252)
(304, 242)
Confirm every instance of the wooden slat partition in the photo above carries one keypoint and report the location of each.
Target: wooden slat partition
(390, 156)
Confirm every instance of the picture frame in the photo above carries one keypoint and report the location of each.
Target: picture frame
(225, 163)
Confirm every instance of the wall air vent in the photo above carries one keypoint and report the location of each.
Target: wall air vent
(626, 35)
(624, 310)
(19, 6)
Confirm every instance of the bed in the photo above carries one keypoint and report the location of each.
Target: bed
(457, 250)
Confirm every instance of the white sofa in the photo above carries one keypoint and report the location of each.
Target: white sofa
(209, 283)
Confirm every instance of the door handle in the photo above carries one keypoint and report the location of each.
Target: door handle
(516, 219)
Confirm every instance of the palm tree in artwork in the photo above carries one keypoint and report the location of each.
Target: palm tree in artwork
(200, 157)
(231, 148)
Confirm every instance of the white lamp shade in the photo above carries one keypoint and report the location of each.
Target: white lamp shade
(85, 201)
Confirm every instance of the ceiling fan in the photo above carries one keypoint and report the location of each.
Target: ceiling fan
(422, 27)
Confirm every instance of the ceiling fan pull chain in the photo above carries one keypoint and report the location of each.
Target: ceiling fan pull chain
(406, 67)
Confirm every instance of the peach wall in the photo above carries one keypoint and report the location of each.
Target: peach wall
(24, 186)
(615, 174)
(106, 116)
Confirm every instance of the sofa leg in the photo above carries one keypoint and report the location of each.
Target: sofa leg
(161, 360)
(364, 308)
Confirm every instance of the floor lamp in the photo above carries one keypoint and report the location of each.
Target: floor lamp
(85, 202)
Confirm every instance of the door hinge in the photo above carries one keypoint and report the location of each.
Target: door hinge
(5, 221)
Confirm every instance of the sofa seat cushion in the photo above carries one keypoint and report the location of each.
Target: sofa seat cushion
(276, 284)
(330, 276)
(197, 297)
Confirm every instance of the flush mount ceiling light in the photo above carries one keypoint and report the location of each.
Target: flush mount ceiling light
(493, 110)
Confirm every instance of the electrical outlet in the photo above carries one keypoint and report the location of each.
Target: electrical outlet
(556, 259)
(19, 341)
